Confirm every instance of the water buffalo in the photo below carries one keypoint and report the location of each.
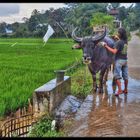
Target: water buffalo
(95, 55)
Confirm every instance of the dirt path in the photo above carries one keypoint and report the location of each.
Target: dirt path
(115, 116)
(134, 56)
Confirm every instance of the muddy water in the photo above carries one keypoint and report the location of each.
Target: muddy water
(110, 115)
(116, 116)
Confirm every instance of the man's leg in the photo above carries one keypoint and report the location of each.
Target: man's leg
(125, 77)
(118, 82)
(117, 71)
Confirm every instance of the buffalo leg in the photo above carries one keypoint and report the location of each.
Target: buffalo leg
(101, 80)
(113, 85)
(106, 76)
(94, 82)
(113, 81)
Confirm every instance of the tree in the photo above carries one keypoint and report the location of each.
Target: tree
(122, 13)
(115, 5)
(72, 5)
(25, 19)
(35, 12)
(2, 27)
(15, 26)
(33, 22)
(137, 12)
(104, 19)
(79, 15)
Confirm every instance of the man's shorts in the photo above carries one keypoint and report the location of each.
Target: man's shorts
(121, 67)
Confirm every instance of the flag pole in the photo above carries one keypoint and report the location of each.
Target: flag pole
(44, 44)
(62, 29)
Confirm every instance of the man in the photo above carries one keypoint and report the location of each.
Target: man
(120, 49)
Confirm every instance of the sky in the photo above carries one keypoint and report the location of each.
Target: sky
(14, 12)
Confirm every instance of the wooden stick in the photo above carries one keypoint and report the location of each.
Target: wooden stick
(44, 44)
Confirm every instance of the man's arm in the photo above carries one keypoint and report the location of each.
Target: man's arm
(113, 50)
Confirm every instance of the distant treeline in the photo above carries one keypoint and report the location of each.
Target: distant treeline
(73, 15)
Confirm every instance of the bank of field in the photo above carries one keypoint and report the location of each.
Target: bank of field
(28, 65)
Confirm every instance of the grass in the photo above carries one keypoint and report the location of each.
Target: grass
(43, 129)
(28, 65)
(81, 80)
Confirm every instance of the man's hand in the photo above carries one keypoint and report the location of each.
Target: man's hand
(103, 44)
(115, 37)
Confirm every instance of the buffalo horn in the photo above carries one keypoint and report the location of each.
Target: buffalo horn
(77, 39)
(100, 37)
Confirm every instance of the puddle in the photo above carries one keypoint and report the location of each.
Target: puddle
(112, 116)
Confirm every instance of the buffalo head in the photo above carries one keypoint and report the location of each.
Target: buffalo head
(87, 44)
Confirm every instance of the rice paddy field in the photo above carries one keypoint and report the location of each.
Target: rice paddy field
(26, 65)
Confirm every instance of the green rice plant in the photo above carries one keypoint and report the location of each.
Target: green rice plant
(28, 65)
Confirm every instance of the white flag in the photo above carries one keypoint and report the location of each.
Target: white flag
(49, 32)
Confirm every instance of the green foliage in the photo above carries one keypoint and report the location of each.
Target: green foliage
(115, 5)
(43, 129)
(81, 14)
(101, 19)
(28, 65)
(2, 27)
(81, 84)
(129, 21)
(53, 133)
(122, 13)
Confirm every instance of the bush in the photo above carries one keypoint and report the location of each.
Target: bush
(40, 128)
(43, 129)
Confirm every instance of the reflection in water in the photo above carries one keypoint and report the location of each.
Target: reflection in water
(133, 89)
(110, 115)
(105, 119)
